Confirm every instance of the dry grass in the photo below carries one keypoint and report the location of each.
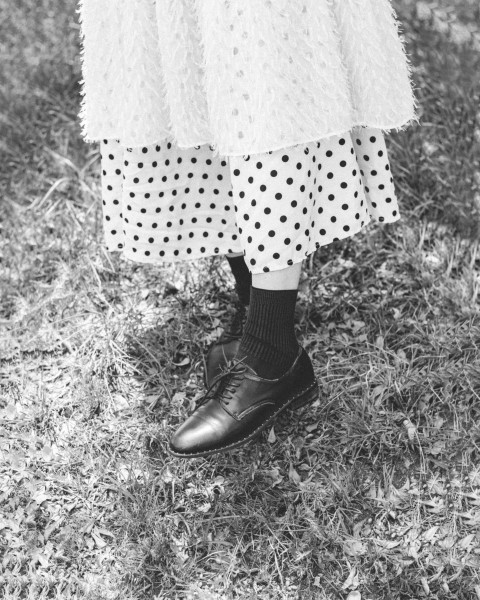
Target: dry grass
(374, 489)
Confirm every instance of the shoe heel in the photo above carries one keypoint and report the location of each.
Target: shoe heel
(306, 398)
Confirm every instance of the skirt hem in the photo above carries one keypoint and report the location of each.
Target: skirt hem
(138, 258)
(400, 125)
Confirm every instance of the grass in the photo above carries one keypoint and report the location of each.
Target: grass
(371, 493)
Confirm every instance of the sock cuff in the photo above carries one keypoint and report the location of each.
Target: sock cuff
(280, 299)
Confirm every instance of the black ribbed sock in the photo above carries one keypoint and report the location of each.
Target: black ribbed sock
(269, 342)
(243, 278)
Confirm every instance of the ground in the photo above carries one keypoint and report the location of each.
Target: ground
(371, 493)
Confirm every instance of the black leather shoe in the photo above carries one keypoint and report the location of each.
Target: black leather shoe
(240, 404)
(225, 348)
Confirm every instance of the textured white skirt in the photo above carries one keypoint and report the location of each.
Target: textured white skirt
(243, 77)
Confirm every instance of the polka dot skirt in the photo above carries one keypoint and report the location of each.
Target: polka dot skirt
(165, 203)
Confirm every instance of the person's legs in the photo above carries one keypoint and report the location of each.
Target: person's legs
(270, 374)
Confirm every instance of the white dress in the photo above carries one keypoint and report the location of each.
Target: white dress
(256, 127)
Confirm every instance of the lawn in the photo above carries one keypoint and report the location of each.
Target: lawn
(371, 493)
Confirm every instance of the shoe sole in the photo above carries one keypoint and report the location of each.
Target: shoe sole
(301, 399)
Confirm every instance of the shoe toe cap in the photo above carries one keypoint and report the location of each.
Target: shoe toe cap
(193, 436)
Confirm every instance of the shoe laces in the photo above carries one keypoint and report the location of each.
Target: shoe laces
(225, 385)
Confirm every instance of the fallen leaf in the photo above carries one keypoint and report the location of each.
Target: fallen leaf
(411, 429)
(275, 476)
(271, 437)
(466, 541)
(436, 448)
(293, 475)
(98, 540)
(447, 542)
(120, 402)
(430, 533)
(357, 528)
(40, 497)
(354, 547)
(350, 579)
(47, 452)
(425, 585)
(11, 411)
(387, 544)
(39, 557)
(183, 362)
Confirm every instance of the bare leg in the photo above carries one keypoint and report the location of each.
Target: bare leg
(285, 279)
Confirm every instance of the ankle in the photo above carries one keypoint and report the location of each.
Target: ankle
(266, 360)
